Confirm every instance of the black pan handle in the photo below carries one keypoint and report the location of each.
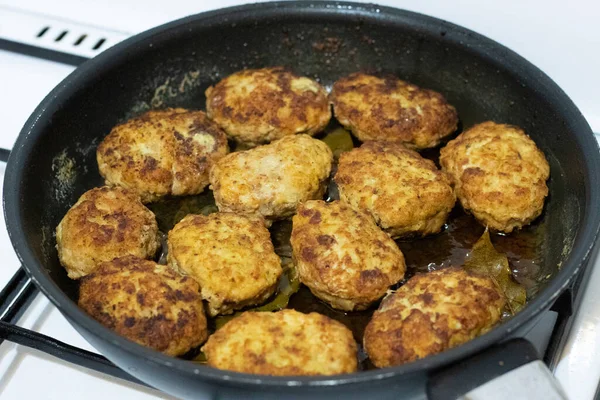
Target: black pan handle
(508, 371)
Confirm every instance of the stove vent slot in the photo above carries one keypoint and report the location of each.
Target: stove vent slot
(79, 40)
(61, 36)
(99, 44)
(95, 43)
(56, 34)
(46, 31)
(43, 31)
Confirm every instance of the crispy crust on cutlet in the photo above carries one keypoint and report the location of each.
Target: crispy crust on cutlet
(162, 152)
(431, 313)
(256, 106)
(286, 342)
(499, 175)
(230, 256)
(405, 193)
(389, 109)
(105, 223)
(271, 180)
(148, 303)
(343, 256)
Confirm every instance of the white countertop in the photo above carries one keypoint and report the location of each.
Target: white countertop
(562, 39)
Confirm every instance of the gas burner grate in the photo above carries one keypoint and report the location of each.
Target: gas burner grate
(14, 300)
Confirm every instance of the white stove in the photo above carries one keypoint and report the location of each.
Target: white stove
(562, 40)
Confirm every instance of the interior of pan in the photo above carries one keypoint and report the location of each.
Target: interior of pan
(54, 159)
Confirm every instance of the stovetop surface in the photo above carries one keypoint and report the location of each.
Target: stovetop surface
(562, 40)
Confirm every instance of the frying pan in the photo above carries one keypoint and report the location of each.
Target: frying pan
(53, 160)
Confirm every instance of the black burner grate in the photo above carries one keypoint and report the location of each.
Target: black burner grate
(15, 298)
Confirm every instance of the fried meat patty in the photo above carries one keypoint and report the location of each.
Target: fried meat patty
(431, 313)
(105, 223)
(343, 256)
(499, 175)
(257, 106)
(285, 342)
(405, 193)
(162, 152)
(389, 109)
(271, 180)
(146, 302)
(231, 257)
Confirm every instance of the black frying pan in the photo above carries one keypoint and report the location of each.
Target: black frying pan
(172, 66)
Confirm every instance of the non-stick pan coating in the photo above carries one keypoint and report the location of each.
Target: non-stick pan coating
(53, 162)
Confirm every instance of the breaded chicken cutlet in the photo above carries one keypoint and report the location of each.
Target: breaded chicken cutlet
(105, 223)
(431, 313)
(148, 303)
(162, 152)
(257, 106)
(405, 193)
(499, 175)
(285, 342)
(389, 109)
(271, 180)
(230, 256)
(343, 256)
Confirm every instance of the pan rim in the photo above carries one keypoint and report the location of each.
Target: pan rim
(582, 247)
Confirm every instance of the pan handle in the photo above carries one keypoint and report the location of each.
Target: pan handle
(508, 371)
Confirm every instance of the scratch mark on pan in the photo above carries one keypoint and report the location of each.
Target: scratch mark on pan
(171, 88)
